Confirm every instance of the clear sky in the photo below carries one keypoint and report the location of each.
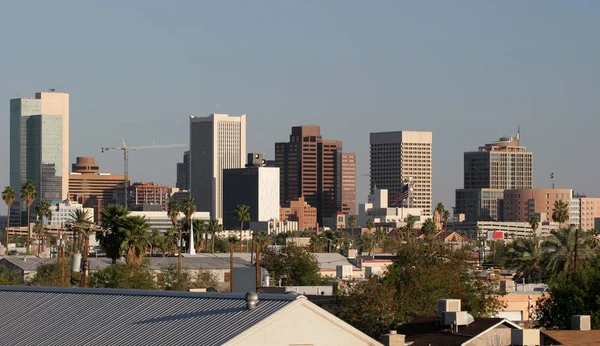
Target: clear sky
(469, 71)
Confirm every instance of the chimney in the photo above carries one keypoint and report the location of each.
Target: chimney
(581, 322)
(251, 300)
(393, 339)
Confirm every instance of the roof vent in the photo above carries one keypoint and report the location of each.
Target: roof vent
(251, 300)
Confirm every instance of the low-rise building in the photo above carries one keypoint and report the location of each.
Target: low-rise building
(148, 318)
(509, 230)
(160, 220)
(63, 212)
(382, 216)
(300, 211)
(274, 226)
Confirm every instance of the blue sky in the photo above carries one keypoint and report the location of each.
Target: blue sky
(469, 71)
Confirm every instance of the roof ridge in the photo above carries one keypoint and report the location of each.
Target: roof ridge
(149, 293)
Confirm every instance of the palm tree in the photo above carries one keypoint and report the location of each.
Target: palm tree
(525, 256)
(136, 238)
(28, 196)
(445, 218)
(173, 211)
(560, 213)
(80, 223)
(366, 243)
(232, 240)
(534, 223)
(352, 222)
(112, 219)
(188, 207)
(370, 225)
(410, 224)
(214, 227)
(560, 249)
(199, 232)
(242, 213)
(440, 209)
(154, 240)
(9, 196)
(428, 229)
(379, 237)
(43, 211)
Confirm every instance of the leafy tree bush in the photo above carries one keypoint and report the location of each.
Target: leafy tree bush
(568, 295)
(183, 279)
(123, 276)
(8, 277)
(293, 264)
(411, 287)
(51, 275)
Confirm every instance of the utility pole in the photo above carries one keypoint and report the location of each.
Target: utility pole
(258, 269)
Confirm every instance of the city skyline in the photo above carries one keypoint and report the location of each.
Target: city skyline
(431, 72)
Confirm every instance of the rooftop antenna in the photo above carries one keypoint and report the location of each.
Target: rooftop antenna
(217, 104)
(17, 93)
(519, 132)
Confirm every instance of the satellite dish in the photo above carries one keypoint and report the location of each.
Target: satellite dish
(470, 319)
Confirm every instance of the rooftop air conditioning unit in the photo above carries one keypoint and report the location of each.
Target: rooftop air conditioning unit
(525, 337)
(455, 318)
(581, 322)
(447, 305)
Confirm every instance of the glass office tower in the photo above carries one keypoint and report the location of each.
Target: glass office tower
(44, 156)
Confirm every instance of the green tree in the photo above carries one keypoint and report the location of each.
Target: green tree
(166, 241)
(560, 213)
(410, 225)
(214, 227)
(136, 238)
(8, 196)
(411, 287)
(559, 250)
(440, 209)
(81, 221)
(294, 264)
(352, 222)
(366, 243)
(525, 256)
(50, 274)
(28, 196)
(534, 223)
(445, 218)
(429, 230)
(8, 277)
(242, 214)
(576, 294)
(43, 211)
(370, 224)
(112, 220)
(131, 276)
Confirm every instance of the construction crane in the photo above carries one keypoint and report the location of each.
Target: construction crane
(125, 148)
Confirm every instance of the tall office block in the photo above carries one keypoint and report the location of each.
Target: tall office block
(313, 168)
(488, 173)
(399, 155)
(21, 109)
(217, 142)
(183, 172)
(44, 156)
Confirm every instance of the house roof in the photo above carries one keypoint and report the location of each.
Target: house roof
(330, 261)
(27, 263)
(425, 330)
(67, 316)
(572, 337)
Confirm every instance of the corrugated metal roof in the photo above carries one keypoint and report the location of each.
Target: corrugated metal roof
(66, 316)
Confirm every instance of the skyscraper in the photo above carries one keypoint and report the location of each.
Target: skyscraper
(217, 142)
(316, 169)
(51, 160)
(400, 155)
(183, 172)
(495, 167)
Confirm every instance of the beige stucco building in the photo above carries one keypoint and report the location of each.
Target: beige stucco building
(402, 155)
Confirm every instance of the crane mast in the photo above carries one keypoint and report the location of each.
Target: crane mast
(125, 148)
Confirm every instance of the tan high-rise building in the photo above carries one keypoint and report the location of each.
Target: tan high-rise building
(91, 188)
(316, 169)
(489, 172)
(522, 204)
(402, 155)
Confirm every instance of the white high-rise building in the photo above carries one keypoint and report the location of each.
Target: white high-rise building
(398, 156)
(39, 147)
(217, 142)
